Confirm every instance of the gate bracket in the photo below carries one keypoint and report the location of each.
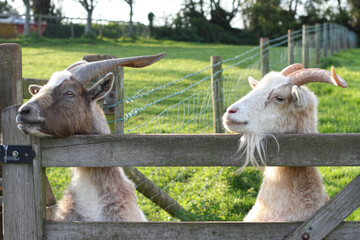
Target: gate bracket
(16, 154)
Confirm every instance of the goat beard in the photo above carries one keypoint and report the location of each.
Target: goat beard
(253, 147)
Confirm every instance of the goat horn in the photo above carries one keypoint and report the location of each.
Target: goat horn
(309, 75)
(292, 68)
(74, 65)
(86, 72)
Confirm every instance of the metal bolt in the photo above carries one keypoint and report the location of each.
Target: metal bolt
(15, 154)
(305, 236)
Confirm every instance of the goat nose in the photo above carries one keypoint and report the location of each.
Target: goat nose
(25, 110)
(232, 110)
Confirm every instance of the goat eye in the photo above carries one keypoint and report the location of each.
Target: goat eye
(279, 98)
(70, 94)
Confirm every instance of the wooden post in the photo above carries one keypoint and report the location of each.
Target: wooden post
(331, 38)
(11, 90)
(290, 48)
(154, 193)
(317, 44)
(305, 47)
(24, 186)
(217, 93)
(325, 39)
(119, 108)
(328, 217)
(264, 55)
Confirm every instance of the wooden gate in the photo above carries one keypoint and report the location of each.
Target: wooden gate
(24, 184)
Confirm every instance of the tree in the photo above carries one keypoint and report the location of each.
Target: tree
(42, 7)
(5, 7)
(355, 15)
(89, 6)
(27, 17)
(130, 2)
(267, 18)
(151, 21)
(220, 16)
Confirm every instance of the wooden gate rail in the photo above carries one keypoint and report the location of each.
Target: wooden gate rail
(187, 230)
(24, 184)
(197, 150)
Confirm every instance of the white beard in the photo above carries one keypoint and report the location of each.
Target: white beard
(253, 146)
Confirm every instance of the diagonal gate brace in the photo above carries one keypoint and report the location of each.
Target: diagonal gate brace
(16, 154)
(331, 214)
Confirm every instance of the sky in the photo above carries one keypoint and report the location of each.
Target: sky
(118, 10)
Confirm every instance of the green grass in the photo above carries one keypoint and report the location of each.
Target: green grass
(206, 193)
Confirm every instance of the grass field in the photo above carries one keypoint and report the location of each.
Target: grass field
(206, 193)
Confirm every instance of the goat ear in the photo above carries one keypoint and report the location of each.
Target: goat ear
(252, 81)
(298, 97)
(101, 88)
(34, 89)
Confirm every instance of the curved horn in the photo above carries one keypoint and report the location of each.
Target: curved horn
(292, 68)
(305, 76)
(87, 71)
(74, 65)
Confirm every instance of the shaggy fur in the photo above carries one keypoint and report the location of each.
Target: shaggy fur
(277, 106)
(63, 108)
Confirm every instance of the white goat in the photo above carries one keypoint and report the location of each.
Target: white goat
(64, 107)
(280, 104)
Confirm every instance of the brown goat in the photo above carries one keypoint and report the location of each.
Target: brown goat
(64, 107)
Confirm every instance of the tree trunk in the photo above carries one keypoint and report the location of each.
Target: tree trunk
(27, 18)
(88, 22)
(131, 21)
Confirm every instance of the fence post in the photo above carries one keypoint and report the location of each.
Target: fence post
(331, 38)
(290, 48)
(24, 185)
(119, 108)
(11, 90)
(317, 44)
(325, 39)
(264, 55)
(305, 47)
(217, 93)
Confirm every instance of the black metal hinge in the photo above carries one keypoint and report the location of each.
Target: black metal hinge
(16, 154)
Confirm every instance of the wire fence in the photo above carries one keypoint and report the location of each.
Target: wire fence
(185, 105)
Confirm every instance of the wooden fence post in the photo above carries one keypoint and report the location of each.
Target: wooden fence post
(24, 185)
(119, 108)
(290, 48)
(317, 44)
(331, 38)
(217, 93)
(11, 90)
(305, 47)
(325, 39)
(264, 55)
